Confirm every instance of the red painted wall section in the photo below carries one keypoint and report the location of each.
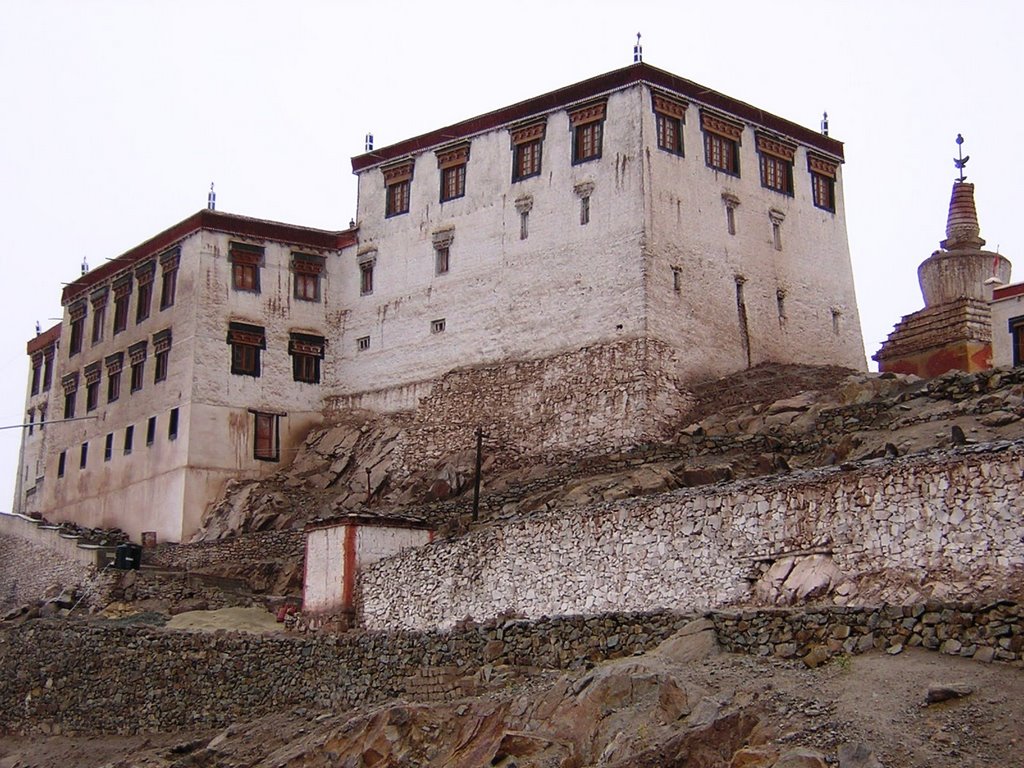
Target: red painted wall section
(967, 356)
(348, 589)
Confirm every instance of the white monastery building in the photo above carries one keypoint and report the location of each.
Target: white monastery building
(562, 269)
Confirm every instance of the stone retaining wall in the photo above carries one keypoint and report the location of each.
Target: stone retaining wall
(28, 570)
(616, 394)
(250, 548)
(954, 516)
(77, 677)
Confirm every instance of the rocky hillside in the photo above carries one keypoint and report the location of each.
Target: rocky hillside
(769, 420)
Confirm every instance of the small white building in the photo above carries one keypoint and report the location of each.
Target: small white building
(1007, 307)
(338, 548)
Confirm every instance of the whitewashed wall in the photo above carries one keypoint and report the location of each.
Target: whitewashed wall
(956, 519)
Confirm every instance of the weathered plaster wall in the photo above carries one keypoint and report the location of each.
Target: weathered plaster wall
(688, 232)
(566, 285)
(955, 517)
(335, 554)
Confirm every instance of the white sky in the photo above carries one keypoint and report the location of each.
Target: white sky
(115, 116)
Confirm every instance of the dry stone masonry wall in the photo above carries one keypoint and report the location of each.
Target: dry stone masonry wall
(619, 394)
(957, 517)
(78, 677)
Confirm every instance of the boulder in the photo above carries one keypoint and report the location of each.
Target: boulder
(857, 755)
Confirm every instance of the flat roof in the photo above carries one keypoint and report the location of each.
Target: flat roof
(217, 221)
(595, 86)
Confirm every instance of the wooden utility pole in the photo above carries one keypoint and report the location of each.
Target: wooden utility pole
(476, 479)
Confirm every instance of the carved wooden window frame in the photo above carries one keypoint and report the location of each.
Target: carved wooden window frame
(722, 141)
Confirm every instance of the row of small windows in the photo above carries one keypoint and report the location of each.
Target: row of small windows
(721, 152)
(121, 287)
(127, 442)
(137, 355)
(436, 326)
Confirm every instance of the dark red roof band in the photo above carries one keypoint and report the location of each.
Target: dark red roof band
(1008, 291)
(610, 81)
(43, 340)
(216, 221)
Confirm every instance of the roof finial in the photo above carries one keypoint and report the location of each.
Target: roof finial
(369, 141)
(824, 123)
(211, 199)
(85, 265)
(961, 161)
(638, 50)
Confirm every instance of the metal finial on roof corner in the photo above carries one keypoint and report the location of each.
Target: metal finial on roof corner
(824, 123)
(960, 162)
(211, 199)
(638, 50)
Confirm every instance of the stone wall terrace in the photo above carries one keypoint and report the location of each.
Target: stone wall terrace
(956, 516)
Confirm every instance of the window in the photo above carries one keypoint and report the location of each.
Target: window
(70, 384)
(37, 372)
(1016, 327)
(524, 205)
(99, 313)
(669, 117)
(144, 277)
(776, 160)
(397, 198)
(587, 126)
(731, 204)
(31, 416)
(151, 430)
(453, 182)
(306, 272)
(137, 358)
(366, 278)
(98, 316)
(583, 192)
(526, 160)
(441, 261)
(92, 386)
(169, 278)
(114, 365)
(161, 365)
(172, 425)
(129, 438)
(62, 461)
(437, 326)
(452, 164)
(77, 313)
(122, 295)
(823, 181)
(246, 261)
(397, 185)
(677, 279)
(162, 350)
(721, 143)
(48, 368)
(246, 343)
(307, 351)
(266, 443)
(108, 447)
(776, 217)
(527, 143)
(363, 343)
(83, 458)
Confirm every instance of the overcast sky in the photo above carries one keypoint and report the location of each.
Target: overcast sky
(116, 116)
